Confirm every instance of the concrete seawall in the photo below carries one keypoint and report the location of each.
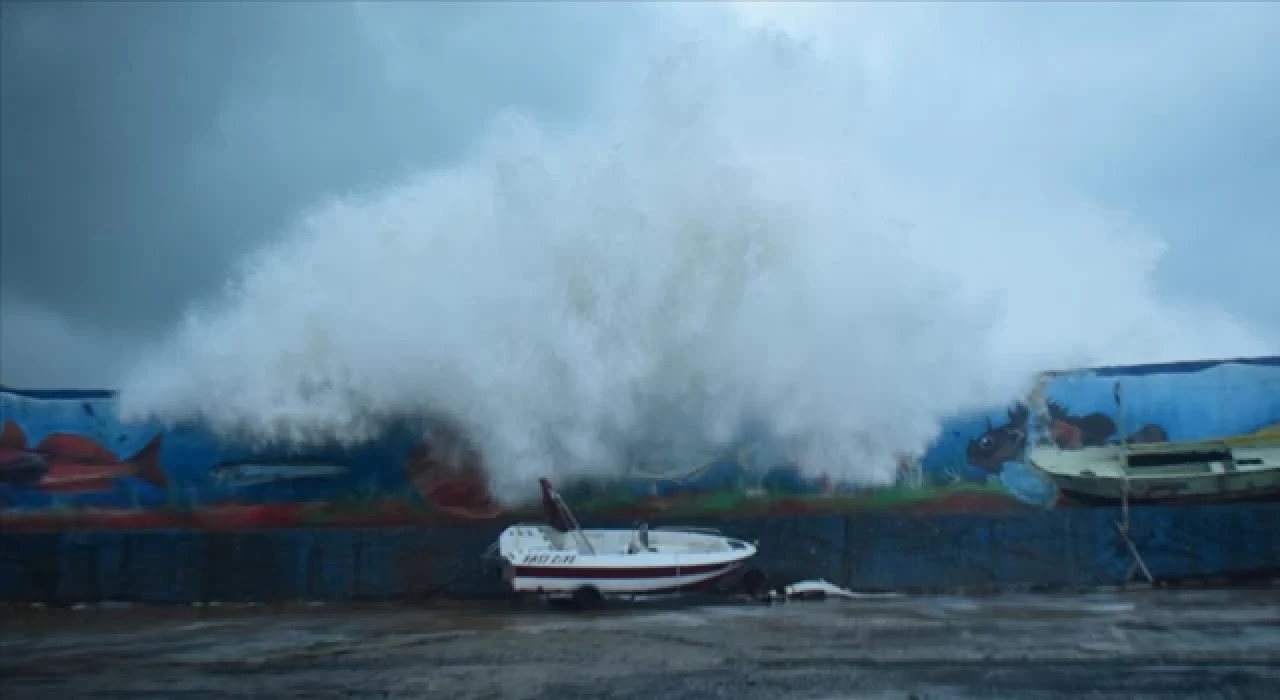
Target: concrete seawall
(1061, 549)
(94, 509)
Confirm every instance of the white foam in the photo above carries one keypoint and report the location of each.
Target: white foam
(722, 244)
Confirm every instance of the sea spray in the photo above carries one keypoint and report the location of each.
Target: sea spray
(720, 253)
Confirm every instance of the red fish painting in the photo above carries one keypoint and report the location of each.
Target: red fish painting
(69, 463)
(450, 477)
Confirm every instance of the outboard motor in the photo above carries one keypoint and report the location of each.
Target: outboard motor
(642, 533)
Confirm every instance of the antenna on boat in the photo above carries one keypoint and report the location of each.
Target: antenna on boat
(1124, 434)
(559, 516)
(1122, 525)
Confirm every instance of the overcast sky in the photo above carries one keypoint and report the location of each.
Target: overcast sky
(146, 147)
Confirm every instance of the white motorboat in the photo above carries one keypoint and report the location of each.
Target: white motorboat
(560, 557)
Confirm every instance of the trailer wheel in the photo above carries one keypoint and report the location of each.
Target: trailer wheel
(756, 584)
(519, 600)
(587, 598)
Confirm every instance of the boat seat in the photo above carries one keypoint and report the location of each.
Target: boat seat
(640, 542)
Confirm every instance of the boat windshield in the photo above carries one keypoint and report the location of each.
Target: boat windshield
(553, 510)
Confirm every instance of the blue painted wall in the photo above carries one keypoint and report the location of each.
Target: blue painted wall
(1076, 548)
(188, 456)
(1182, 401)
(1167, 402)
(1189, 401)
(981, 517)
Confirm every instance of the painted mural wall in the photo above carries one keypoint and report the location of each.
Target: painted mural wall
(66, 462)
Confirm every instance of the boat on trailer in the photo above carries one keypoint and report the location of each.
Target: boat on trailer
(560, 558)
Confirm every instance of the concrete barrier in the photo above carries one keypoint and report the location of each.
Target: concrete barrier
(1069, 548)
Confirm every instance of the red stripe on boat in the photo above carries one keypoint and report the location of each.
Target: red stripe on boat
(619, 572)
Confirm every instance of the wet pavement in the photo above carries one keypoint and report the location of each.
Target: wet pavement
(1203, 644)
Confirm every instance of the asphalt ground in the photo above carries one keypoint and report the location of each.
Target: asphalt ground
(1184, 644)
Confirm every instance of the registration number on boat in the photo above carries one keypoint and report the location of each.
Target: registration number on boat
(549, 559)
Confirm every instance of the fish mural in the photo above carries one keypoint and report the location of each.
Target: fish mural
(1027, 485)
(449, 474)
(241, 474)
(61, 457)
(70, 463)
(1000, 445)
(18, 465)
(991, 450)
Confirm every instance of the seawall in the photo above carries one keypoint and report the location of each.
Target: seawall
(1078, 548)
(92, 509)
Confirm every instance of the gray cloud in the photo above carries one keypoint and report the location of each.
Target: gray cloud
(1168, 111)
(145, 147)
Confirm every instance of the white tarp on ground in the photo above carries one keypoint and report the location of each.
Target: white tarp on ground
(818, 589)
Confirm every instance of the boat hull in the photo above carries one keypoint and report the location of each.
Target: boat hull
(619, 580)
(1207, 488)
